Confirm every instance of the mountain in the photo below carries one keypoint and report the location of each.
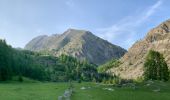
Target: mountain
(132, 62)
(77, 43)
(15, 64)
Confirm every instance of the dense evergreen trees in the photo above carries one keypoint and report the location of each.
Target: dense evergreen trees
(155, 67)
(42, 67)
(5, 61)
(18, 63)
(78, 70)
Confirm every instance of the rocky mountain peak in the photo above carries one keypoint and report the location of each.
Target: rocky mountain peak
(81, 44)
(159, 33)
(157, 39)
(76, 32)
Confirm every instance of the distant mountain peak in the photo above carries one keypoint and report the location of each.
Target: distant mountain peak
(55, 34)
(81, 44)
(79, 32)
(73, 29)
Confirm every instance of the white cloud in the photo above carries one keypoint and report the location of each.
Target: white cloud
(125, 29)
(151, 11)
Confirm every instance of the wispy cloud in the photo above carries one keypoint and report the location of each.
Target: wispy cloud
(126, 29)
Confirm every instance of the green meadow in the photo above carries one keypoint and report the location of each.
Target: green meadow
(83, 91)
(31, 91)
(101, 92)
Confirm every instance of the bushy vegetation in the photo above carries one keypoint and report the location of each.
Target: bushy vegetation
(156, 67)
(110, 64)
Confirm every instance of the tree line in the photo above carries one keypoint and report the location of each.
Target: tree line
(38, 66)
(23, 63)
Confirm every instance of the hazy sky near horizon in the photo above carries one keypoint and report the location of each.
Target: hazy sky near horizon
(121, 22)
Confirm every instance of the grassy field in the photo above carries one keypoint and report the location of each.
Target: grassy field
(91, 91)
(101, 92)
(31, 91)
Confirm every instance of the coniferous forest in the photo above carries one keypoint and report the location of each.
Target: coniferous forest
(37, 66)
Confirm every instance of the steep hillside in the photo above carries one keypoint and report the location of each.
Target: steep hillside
(77, 43)
(157, 39)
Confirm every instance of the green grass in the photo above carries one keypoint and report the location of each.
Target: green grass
(97, 92)
(31, 91)
(51, 91)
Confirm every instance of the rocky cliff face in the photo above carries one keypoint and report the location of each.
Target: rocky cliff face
(132, 62)
(78, 43)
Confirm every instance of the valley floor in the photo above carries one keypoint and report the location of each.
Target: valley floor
(98, 92)
(82, 91)
(31, 91)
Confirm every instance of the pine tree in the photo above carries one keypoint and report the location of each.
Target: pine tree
(156, 67)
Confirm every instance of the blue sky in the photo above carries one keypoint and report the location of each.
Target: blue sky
(122, 22)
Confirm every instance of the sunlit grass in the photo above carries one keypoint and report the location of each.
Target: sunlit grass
(92, 91)
(31, 91)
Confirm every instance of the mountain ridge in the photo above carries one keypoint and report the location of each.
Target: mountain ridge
(132, 62)
(81, 44)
